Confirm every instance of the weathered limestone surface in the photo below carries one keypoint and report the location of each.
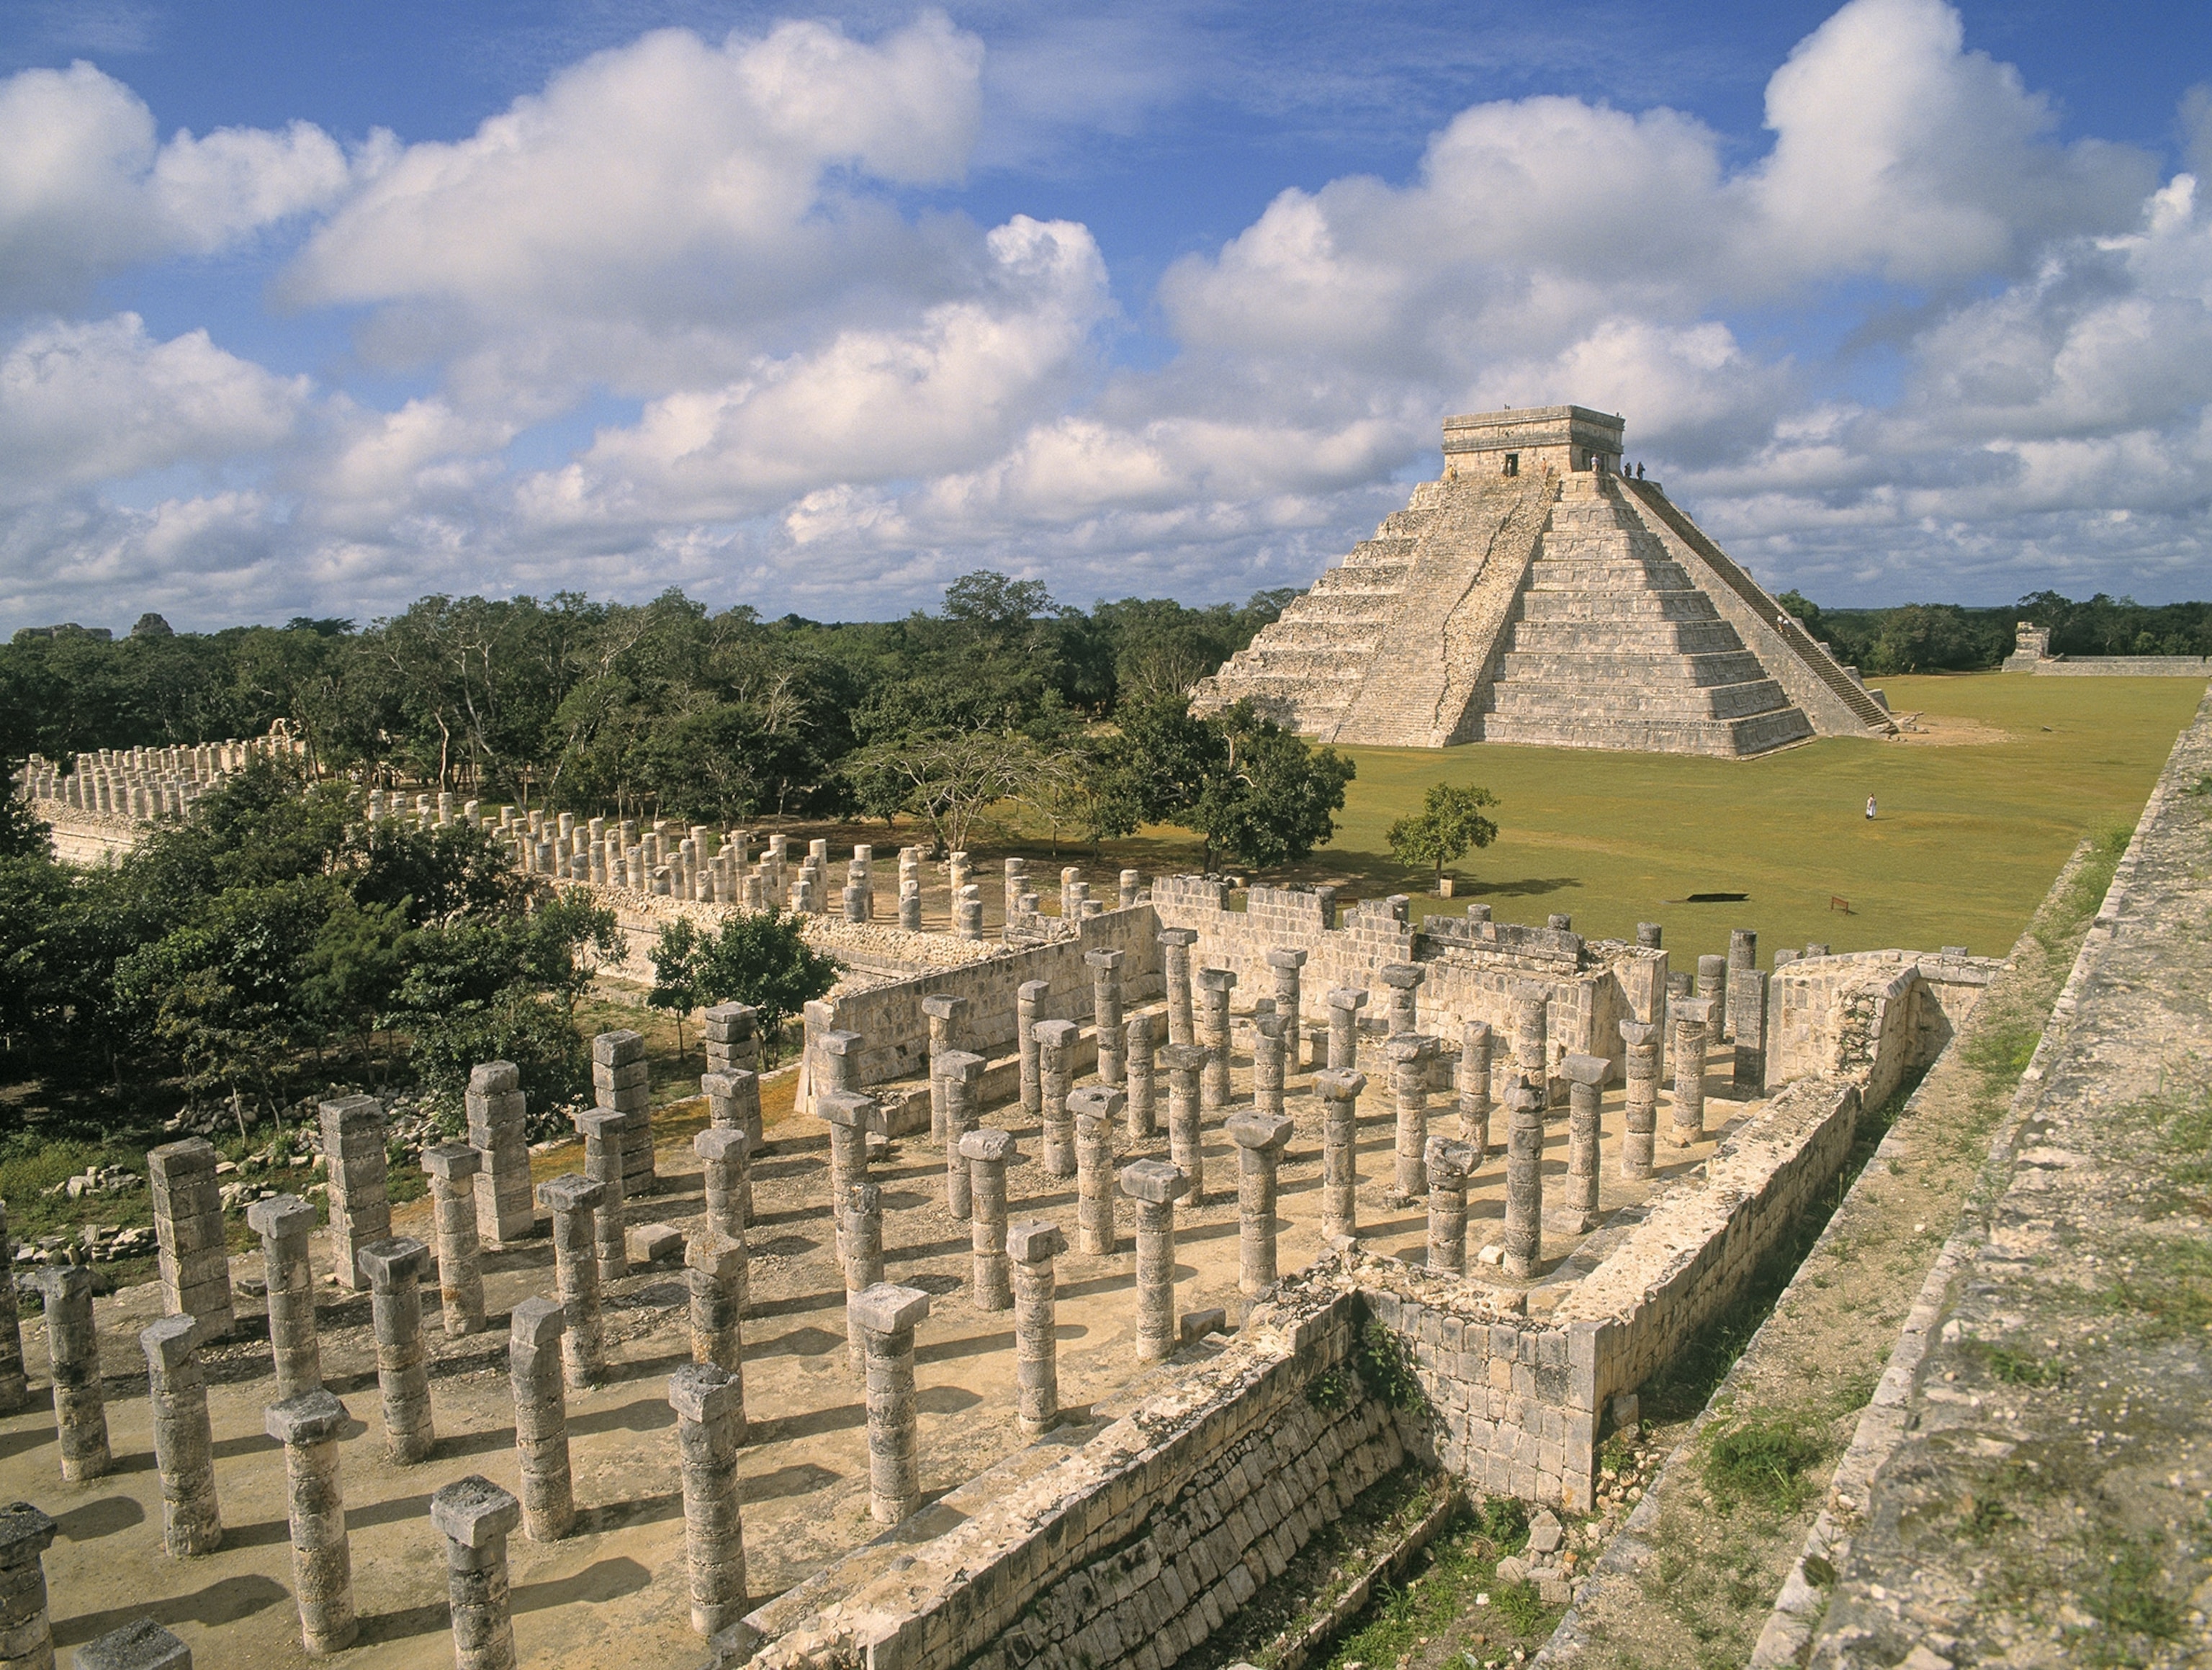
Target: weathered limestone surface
(195, 1263)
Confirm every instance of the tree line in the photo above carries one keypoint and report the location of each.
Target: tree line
(1944, 637)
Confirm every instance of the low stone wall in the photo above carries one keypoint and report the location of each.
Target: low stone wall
(2123, 667)
(86, 837)
(1872, 1017)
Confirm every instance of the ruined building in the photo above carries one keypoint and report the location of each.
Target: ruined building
(1533, 593)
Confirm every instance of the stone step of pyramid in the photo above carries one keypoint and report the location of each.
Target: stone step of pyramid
(1656, 573)
(1640, 666)
(1725, 738)
(1571, 699)
(1625, 607)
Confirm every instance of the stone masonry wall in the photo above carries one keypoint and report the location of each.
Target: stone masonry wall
(1870, 1016)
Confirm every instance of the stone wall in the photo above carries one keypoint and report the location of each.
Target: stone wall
(1870, 1016)
(86, 837)
(2126, 666)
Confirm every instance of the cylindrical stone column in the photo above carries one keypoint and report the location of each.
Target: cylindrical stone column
(1403, 982)
(864, 1260)
(1095, 1107)
(15, 1385)
(403, 1371)
(733, 1104)
(1524, 1181)
(1474, 1087)
(1344, 1007)
(909, 904)
(73, 1349)
(1339, 1090)
(541, 1419)
(1031, 1246)
(26, 1630)
(945, 1015)
(1129, 885)
(284, 1222)
(888, 1315)
(1268, 1045)
(1029, 1004)
(1284, 962)
(1531, 1045)
(1174, 969)
(1743, 959)
(1640, 1108)
(184, 1442)
(725, 1172)
(1140, 1067)
(715, 1274)
(475, 1516)
(1214, 986)
(987, 1152)
(1712, 983)
(1691, 1017)
(1106, 1013)
(322, 1558)
(958, 1074)
(605, 1138)
(1585, 1076)
(710, 1426)
(1155, 1186)
(573, 1201)
(1449, 1165)
(1650, 936)
(453, 1167)
(968, 914)
(1409, 1054)
(1055, 1048)
(1747, 997)
(852, 1119)
(1186, 1065)
(1260, 1138)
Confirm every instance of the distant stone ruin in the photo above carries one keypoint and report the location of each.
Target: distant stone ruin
(1534, 593)
(2032, 654)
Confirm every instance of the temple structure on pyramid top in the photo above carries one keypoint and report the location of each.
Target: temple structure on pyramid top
(1533, 593)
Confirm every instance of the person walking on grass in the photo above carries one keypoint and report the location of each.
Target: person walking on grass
(1870, 809)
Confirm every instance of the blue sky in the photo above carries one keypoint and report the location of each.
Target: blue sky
(314, 310)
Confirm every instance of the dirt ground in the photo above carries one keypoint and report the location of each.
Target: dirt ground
(618, 1584)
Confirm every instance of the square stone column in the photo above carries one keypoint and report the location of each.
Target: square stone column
(195, 1260)
(360, 1203)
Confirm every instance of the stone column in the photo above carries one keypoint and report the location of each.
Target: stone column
(1585, 1076)
(1339, 1090)
(1712, 983)
(1524, 1181)
(284, 1222)
(184, 1442)
(1131, 883)
(1747, 997)
(957, 873)
(727, 1174)
(1650, 936)
(535, 1328)
(1260, 1138)
(1410, 1054)
(1269, 1046)
(1344, 1007)
(888, 1315)
(619, 1081)
(1285, 964)
(140, 1645)
(322, 1559)
(1742, 958)
(1017, 882)
(26, 1631)
(475, 1516)
(714, 1271)
(1474, 1087)
(1531, 1048)
(968, 914)
(498, 1130)
(1403, 980)
(1106, 1013)
(852, 1117)
(1140, 1063)
(1155, 1186)
(15, 1385)
(573, 1201)
(1214, 986)
(1640, 1114)
(1028, 1005)
(361, 1206)
(1031, 1246)
(709, 1425)
(1185, 1065)
(73, 1348)
(945, 1015)
(1175, 968)
(605, 1163)
(1055, 1043)
(731, 1035)
(909, 904)
(864, 1259)
(453, 1167)
(733, 1103)
(986, 1151)
(195, 1262)
(402, 1373)
(1095, 1107)
(958, 1074)
(1690, 1015)
(1449, 1166)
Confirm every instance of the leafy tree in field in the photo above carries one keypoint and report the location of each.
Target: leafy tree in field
(1450, 822)
(675, 968)
(951, 779)
(761, 958)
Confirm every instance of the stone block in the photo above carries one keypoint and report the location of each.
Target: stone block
(655, 1244)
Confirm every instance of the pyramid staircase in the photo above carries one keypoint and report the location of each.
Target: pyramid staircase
(1615, 647)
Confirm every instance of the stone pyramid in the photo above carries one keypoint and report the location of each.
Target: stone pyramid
(1535, 595)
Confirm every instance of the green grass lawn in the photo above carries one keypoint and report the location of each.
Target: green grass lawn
(1969, 836)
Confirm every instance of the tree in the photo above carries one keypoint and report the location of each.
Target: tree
(1276, 798)
(1449, 822)
(951, 778)
(675, 969)
(760, 958)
